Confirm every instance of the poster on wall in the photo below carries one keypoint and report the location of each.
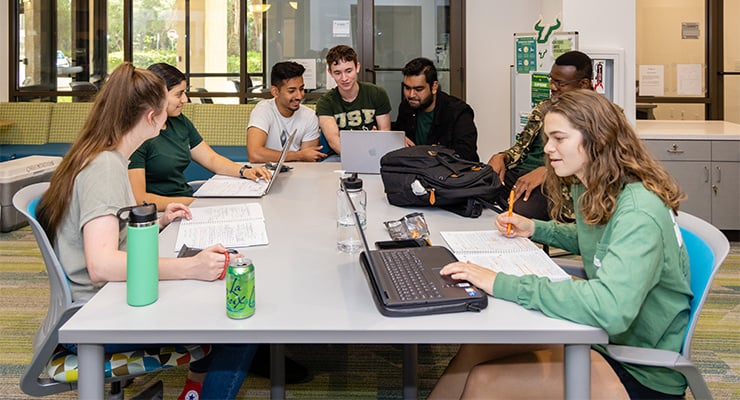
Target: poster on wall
(652, 80)
(526, 55)
(534, 54)
(540, 87)
(599, 83)
(309, 76)
(689, 79)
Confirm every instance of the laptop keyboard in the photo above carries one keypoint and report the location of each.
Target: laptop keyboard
(406, 272)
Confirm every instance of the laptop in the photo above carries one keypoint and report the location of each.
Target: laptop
(362, 150)
(406, 282)
(229, 186)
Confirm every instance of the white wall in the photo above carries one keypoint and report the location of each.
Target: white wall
(490, 26)
(4, 40)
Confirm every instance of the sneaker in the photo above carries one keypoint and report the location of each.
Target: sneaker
(191, 391)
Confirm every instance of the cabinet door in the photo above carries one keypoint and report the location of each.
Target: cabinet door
(694, 179)
(726, 195)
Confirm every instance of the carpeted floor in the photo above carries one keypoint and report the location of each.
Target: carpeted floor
(340, 371)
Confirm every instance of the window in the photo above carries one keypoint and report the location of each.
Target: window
(224, 47)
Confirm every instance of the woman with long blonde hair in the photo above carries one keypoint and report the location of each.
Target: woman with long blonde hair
(637, 266)
(78, 211)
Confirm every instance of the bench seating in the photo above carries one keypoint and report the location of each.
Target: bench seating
(50, 128)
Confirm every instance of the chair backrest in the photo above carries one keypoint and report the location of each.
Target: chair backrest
(61, 306)
(707, 248)
(37, 380)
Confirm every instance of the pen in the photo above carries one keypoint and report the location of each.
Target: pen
(511, 208)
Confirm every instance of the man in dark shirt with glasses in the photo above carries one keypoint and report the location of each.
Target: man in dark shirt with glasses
(522, 167)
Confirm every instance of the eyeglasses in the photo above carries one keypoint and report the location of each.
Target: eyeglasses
(563, 83)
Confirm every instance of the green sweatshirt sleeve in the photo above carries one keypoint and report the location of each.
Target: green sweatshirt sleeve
(560, 235)
(628, 260)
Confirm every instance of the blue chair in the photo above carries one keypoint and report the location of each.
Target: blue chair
(707, 248)
(53, 369)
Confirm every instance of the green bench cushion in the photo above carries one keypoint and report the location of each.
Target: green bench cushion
(30, 123)
(67, 120)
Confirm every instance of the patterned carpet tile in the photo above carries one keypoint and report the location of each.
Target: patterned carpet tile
(352, 372)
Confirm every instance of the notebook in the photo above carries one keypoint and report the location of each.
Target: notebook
(362, 150)
(406, 281)
(514, 256)
(231, 186)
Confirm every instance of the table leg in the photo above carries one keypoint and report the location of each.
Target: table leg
(91, 382)
(577, 371)
(410, 378)
(277, 371)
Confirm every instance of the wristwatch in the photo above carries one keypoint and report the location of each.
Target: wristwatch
(241, 170)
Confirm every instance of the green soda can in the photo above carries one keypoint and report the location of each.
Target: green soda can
(240, 289)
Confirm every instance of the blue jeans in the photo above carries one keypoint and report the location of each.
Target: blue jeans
(226, 366)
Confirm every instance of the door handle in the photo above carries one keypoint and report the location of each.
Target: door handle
(719, 174)
(371, 71)
(674, 149)
(706, 174)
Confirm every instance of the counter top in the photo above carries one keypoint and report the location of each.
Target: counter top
(688, 130)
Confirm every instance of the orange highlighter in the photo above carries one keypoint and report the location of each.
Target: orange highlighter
(511, 209)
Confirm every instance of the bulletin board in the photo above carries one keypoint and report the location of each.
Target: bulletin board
(534, 53)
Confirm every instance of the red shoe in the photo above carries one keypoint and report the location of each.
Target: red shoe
(191, 391)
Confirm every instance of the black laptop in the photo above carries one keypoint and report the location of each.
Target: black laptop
(406, 281)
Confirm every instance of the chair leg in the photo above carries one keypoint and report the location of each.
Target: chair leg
(153, 392)
(116, 390)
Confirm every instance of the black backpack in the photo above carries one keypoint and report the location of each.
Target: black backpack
(429, 176)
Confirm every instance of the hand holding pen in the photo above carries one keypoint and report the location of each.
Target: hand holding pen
(514, 225)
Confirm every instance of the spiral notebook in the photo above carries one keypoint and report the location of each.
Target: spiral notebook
(514, 256)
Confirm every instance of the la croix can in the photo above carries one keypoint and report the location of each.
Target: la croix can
(240, 300)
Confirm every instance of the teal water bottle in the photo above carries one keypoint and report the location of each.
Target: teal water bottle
(142, 255)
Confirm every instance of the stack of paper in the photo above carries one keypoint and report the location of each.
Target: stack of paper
(237, 225)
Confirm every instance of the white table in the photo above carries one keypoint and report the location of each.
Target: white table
(308, 292)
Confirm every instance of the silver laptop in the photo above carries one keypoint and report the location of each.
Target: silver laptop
(362, 150)
(229, 186)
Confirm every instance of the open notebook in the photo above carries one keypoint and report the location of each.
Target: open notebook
(230, 186)
(514, 256)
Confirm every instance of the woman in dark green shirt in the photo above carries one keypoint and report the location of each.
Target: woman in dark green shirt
(157, 168)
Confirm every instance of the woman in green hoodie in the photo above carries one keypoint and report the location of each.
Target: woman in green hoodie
(637, 266)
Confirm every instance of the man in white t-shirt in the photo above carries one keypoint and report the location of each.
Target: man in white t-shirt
(272, 121)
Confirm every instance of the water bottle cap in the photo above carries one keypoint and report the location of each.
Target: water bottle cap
(352, 182)
(143, 214)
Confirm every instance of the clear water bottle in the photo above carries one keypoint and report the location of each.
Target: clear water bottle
(348, 238)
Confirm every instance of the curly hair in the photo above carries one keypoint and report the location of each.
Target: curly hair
(341, 53)
(616, 157)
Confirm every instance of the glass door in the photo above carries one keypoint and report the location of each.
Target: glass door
(731, 70)
(403, 32)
